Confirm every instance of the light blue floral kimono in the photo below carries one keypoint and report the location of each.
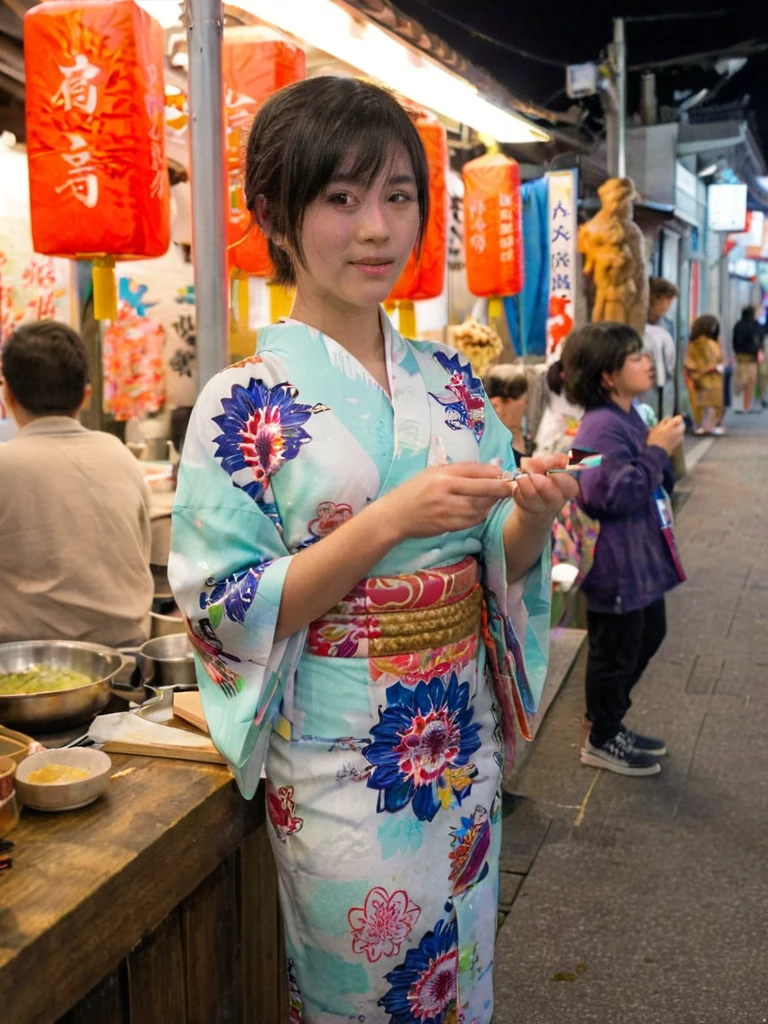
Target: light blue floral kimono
(388, 871)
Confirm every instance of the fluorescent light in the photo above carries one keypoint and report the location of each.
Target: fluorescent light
(364, 46)
(708, 170)
(167, 12)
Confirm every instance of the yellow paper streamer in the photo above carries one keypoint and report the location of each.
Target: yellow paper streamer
(407, 322)
(280, 302)
(104, 289)
(495, 308)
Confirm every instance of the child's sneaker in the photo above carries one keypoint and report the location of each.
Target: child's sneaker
(618, 755)
(645, 744)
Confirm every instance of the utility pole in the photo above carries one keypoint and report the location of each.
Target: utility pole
(620, 56)
(205, 29)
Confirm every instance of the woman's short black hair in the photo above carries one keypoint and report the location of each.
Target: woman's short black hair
(504, 382)
(45, 366)
(706, 326)
(591, 351)
(299, 140)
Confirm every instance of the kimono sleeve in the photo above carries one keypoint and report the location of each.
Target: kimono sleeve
(518, 613)
(227, 567)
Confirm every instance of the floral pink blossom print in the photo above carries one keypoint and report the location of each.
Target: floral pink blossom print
(329, 517)
(281, 808)
(381, 926)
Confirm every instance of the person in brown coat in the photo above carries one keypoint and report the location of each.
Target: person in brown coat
(704, 375)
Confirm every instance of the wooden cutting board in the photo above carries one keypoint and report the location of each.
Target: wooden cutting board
(188, 705)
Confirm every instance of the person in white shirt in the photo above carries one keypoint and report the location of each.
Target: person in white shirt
(659, 343)
(74, 507)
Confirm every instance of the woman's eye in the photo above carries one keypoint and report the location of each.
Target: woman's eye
(341, 198)
(400, 197)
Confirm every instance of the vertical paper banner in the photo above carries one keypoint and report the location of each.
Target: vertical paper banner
(563, 258)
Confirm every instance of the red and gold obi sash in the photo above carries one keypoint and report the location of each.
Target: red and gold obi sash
(392, 616)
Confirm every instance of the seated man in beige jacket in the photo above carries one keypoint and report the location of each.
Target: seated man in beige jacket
(74, 507)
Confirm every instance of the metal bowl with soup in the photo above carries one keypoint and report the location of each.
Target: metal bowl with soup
(50, 685)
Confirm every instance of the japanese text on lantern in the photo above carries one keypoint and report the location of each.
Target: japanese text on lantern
(78, 91)
(506, 228)
(562, 258)
(478, 237)
(154, 103)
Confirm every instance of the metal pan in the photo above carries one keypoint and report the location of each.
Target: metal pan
(58, 709)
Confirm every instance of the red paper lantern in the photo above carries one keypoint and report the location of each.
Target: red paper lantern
(493, 228)
(96, 129)
(424, 278)
(254, 68)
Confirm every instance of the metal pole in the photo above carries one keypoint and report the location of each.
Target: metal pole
(205, 27)
(620, 49)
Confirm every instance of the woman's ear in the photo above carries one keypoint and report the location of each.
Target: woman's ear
(261, 215)
(608, 383)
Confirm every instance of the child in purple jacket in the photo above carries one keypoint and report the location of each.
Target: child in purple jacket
(635, 560)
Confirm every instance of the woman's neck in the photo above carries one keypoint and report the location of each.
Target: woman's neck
(355, 329)
(623, 401)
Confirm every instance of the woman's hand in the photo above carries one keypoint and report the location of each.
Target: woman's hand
(668, 434)
(540, 494)
(444, 499)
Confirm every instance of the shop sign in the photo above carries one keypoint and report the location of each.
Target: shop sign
(563, 258)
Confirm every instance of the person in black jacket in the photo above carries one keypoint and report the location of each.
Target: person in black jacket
(747, 343)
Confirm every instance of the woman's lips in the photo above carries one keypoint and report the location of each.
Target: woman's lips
(374, 269)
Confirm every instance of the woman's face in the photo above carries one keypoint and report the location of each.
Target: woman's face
(357, 239)
(635, 376)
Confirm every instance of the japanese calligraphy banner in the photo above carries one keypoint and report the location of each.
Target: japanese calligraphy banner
(563, 265)
(95, 102)
(424, 277)
(493, 233)
(254, 67)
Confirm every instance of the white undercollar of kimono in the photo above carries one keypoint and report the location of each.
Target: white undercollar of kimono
(394, 346)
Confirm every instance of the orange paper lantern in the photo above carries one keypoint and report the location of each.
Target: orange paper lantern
(493, 228)
(254, 68)
(424, 278)
(96, 129)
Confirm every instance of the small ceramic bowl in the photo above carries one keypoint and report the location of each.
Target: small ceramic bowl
(63, 796)
(9, 808)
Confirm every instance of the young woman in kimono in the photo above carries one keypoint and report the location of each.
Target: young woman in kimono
(365, 591)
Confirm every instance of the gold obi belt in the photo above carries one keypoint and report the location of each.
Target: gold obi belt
(386, 616)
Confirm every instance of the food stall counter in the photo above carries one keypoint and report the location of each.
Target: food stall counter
(157, 903)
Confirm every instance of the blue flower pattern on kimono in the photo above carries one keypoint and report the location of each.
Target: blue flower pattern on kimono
(463, 398)
(261, 428)
(424, 987)
(422, 747)
(232, 596)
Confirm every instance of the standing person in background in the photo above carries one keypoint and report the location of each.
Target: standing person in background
(747, 345)
(635, 559)
(659, 343)
(704, 365)
(507, 388)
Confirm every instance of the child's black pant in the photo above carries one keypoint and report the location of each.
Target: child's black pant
(620, 647)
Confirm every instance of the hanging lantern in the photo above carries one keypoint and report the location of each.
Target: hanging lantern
(493, 227)
(254, 67)
(424, 277)
(96, 136)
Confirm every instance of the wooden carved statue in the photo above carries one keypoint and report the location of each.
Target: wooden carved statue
(614, 253)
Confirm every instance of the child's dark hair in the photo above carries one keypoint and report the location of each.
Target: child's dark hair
(554, 377)
(301, 137)
(506, 384)
(705, 326)
(591, 351)
(45, 366)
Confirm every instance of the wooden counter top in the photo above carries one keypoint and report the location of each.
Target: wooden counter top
(86, 886)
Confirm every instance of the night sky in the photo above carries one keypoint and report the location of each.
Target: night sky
(571, 32)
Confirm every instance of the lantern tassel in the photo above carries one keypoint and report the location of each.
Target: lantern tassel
(495, 309)
(407, 319)
(104, 289)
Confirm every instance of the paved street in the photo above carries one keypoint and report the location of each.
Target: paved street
(645, 901)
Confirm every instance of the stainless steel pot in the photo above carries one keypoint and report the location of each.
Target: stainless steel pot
(58, 709)
(165, 661)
